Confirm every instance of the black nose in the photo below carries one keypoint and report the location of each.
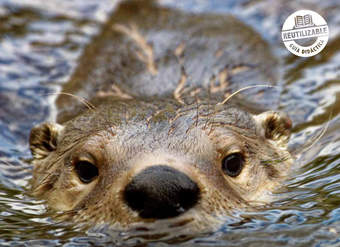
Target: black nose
(161, 192)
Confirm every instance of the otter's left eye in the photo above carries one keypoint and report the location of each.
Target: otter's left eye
(86, 171)
(232, 164)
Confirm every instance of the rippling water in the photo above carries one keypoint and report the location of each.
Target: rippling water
(40, 42)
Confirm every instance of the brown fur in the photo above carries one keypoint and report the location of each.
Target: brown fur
(188, 124)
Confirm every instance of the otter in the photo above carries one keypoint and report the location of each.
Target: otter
(164, 137)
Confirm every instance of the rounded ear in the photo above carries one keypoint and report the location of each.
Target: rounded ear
(275, 125)
(43, 139)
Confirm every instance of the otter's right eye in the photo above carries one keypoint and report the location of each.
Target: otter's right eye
(86, 171)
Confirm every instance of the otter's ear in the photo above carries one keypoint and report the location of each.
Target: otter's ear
(43, 139)
(275, 125)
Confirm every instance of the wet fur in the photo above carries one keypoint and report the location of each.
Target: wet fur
(177, 119)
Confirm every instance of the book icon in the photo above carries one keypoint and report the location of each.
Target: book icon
(303, 21)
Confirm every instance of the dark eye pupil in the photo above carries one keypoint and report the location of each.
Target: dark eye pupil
(232, 164)
(86, 171)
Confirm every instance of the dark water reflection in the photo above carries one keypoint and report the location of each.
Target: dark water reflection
(39, 44)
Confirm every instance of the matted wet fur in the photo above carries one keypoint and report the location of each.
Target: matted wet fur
(162, 140)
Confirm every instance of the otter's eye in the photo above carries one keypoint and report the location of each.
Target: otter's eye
(232, 164)
(86, 171)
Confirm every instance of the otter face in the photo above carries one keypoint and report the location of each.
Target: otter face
(127, 162)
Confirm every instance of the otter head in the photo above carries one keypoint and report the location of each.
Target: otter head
(130, 162)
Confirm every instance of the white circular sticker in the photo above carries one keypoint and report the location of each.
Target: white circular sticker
(305, 33)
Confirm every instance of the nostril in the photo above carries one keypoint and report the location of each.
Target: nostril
(161, 192)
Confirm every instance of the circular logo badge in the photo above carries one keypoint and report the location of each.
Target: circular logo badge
(305, 33)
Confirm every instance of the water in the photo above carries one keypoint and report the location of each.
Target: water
(40, 42)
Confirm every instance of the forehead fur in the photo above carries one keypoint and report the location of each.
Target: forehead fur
(160, 118)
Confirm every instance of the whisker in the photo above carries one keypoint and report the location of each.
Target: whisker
(315, 139)
(243, 89)
(79, 98)
(218, 105)
(275, 161)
